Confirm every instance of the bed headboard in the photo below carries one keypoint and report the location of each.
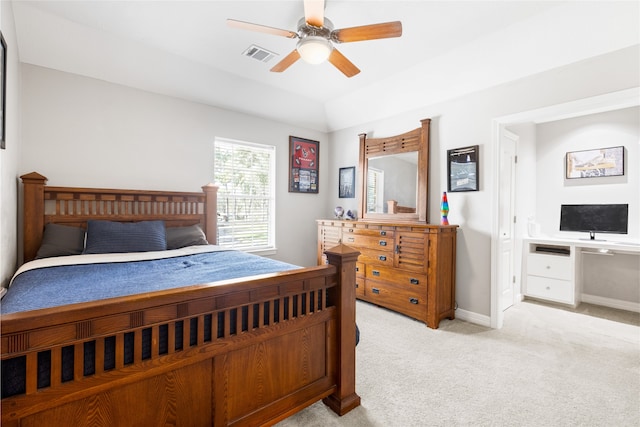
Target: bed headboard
(75, 206)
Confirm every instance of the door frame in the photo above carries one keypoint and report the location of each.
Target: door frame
(513, 200)
(592, 105)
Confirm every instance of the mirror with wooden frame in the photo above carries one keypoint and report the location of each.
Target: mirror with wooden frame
(394, 173)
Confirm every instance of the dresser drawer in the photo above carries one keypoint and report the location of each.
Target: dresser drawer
(550, 289)
(369, 232)
(360, 268)
(398, 298)
(376, 256)
(553, 266)
(360, 287)
(399, 277)
(371, 242)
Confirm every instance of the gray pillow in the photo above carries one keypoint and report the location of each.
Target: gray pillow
(180, 237)
(115, 237)
(60, 240)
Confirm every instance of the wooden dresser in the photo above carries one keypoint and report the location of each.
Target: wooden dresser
(406, 267)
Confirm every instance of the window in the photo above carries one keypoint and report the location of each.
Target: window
(375, 186)
(245, 173)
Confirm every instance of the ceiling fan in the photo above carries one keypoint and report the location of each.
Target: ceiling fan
(317, 37)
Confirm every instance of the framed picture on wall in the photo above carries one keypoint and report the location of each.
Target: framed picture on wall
(303, 165)
(462, 169)
(596, 163)
(3, 90)
(347, 183)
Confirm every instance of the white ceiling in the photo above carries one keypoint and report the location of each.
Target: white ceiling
(448, 48)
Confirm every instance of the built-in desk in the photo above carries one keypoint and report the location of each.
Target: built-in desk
(552, 268)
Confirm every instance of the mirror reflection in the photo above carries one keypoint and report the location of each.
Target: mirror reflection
(392, 183)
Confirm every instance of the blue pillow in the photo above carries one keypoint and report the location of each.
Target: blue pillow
(112, 237)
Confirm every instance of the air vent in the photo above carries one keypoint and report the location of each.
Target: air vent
(258, 53)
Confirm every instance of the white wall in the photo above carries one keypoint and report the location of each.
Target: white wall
(614, 277)
(468, 121)
(79, 131)
(9, 157)
(555, 139)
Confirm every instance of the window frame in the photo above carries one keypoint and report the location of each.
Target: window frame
(270, 247)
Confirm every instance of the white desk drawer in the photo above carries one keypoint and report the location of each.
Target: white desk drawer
(550, 289)
(553, 266)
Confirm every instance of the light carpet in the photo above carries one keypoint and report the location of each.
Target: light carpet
(545, 367)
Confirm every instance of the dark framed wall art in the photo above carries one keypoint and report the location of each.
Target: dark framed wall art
(3, 88)
(462, 169)
(303, 165)
(347, 183)
(596, 163)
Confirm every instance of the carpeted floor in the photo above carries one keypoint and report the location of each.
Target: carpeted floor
(545, 367)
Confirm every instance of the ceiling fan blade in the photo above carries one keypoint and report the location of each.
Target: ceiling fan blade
(314, 12)
(286, 62)
(342, 63)
(261, 28)
(384, 30)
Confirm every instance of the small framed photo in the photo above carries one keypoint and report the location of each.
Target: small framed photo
(304, 156)
(596, 163)
(347, 183)
(462, 169)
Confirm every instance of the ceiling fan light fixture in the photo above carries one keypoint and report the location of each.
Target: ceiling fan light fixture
(314, 49)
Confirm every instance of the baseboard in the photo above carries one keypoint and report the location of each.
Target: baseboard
(470, 316)
(610, 302)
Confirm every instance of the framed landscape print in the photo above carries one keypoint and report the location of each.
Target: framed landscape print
(596, 163)
(303, 165)
(462, 169)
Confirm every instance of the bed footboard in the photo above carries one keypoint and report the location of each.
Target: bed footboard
(239, 352)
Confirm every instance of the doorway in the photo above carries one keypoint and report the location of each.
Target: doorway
(608, 102)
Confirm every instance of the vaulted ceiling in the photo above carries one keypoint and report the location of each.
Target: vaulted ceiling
(185, 49)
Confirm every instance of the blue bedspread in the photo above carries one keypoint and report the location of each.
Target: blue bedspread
(61, 285)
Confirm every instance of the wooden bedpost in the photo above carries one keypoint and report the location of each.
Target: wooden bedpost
(33, 214)
(211, 213)
(345, 398)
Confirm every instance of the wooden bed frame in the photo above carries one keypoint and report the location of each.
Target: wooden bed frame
(249, 351)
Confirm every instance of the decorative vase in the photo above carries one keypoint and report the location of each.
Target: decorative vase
(444, 209)
(338, 211)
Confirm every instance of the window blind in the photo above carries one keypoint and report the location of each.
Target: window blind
(246, 198)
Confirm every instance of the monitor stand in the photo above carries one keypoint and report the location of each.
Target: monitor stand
(592, 237)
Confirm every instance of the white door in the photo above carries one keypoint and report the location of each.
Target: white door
(506, 202)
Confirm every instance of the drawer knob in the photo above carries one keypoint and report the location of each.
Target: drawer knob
(375, 272)
(375, 290)
(382, 258)
(383, 242)
(350, 239)
(413, 300)
(383, 233)
(414, 281)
